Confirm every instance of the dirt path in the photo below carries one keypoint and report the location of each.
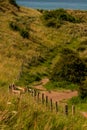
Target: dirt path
(56, 96)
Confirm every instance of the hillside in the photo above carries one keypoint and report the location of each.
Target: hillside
(28, 47)
(36, 48)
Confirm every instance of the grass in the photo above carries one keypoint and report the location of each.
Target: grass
(44, 43)
(35, 57)
(25, 113)
(61, 85)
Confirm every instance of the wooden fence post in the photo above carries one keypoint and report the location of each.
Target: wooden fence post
(38, 94)
(66, 109)
(34, 93)
(73, 110)
(46, 101)
(56, 106)
(51, 104)
(42, 98)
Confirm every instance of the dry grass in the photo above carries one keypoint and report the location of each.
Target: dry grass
(14, 48)
(23, 112)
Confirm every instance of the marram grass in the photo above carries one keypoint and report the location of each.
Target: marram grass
(23, 112)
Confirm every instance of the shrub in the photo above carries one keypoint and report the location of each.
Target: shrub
(24, 33)
(69, 67)
(77, 100)
(14, 26)
(54, 18)
(81, 48)
(53, 23)
(61, 85)
(13, 2)
(40, 10)
(27, 77)
(83, 90)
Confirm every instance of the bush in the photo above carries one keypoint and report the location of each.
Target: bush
(40, 10)
(53, 23)
(55, 18)
(61, 85)
(81, 48)
(24, 33)
(83, 90)
(14, 26)
(69, 67)
(26, 78)
(77, 100)
(13, 2)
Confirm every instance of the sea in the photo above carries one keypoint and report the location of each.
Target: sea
(54, 4)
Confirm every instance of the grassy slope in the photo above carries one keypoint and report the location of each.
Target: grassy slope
(43, 41)
(25, 113)
(13, 47)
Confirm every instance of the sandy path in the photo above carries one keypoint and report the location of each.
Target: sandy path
(56, 96)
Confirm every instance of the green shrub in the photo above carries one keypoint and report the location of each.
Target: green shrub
(83, 90)
(53, 23)
(61, 85)
(24, 33)
(81, 48)
(70, 67)
(14, 26)
(13, 2)
(77, 100)
(40, 10)
(26, 78)
(55, 18)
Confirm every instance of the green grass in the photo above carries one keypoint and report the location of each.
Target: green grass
(61, 85)
(43, 46)
(25, 113)
(27, 60)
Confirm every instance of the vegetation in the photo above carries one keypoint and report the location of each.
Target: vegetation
(14, 26)
(37, 48)
(56, 18)
(83, 90)
(23, 32)
(13, 2)
(69, 67)
(61, 85)
(30, 51)
(23, 112)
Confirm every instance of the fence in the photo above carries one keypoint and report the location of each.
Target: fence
(52, 106)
